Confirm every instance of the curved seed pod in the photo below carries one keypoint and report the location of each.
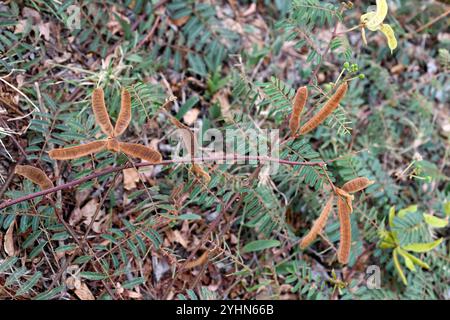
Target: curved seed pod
(346, 231)
(198, 262)
(124, 115)
(390, 36)
(299, 102)
(113, 145)
(326, 110)
(357, 184)
(139, 151)
(77, 151)
(100, 112)
(373, 21)
(318, 224)
(34, 174)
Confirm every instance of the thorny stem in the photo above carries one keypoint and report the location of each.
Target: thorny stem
(76, 182)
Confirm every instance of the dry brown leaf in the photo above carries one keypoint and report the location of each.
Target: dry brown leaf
(44, 30)
(20, 26)
(88, 212)
(180, 21)
(130, 178)
(8, 245)
(190, 116)
(84, 293)
(225, 108)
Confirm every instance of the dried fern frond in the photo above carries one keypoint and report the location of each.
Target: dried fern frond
(198, 262)
(326, 110)
(346, 231)
(77, 151)
(140, 151)
(318, 224)
(299, 103)
(100, 112)
(357, 184)
(34, 174)
(124, 115)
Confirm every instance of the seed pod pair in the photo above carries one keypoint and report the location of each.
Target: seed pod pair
(326, 110)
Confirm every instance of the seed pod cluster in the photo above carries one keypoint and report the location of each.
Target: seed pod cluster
(299, 103)
(111, 144)
(326, 110)
(34, 174)
(345, 208)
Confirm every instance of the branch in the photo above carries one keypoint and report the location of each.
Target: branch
(94, 175)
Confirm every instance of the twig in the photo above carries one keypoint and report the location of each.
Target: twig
(446, 13)
(76, 182)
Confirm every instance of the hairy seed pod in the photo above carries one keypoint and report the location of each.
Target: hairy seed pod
(34, 174)
(124, 115)
(348, 197)
(299, 103)
(326, 110)
(201, 173)
(77, 151)
(198, 262)
(357, 184)
(346, 231)
(140, 151)
(318, 224)
(113, 145)
(100, 112)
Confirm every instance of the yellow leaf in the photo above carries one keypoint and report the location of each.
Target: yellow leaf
(398, 267)
(408, 262)
(423, 247)
(435, 221)
(389, 33)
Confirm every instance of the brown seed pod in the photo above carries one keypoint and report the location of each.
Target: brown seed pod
(318, 224)
(113, 145)
(346, 231)
(100, 112)
(198, 262)
(299, 103)
(140, 151)
(357, 184)
(348, 197)
(77, 151)
(34, 174)
(124, 115)
(326, 110)
(201, 173)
